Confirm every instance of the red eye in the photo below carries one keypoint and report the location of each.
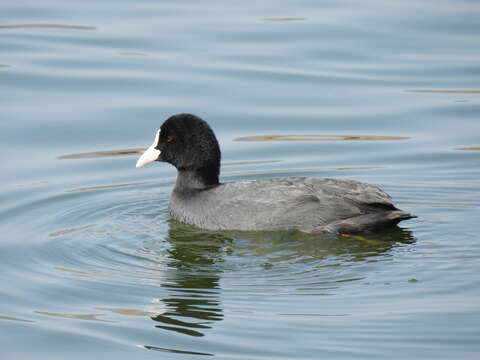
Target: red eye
(169, 139)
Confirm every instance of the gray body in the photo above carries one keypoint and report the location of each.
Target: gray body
(305, 204)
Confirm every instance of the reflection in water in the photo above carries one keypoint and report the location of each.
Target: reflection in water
(285, 19)
(54, 26)
(194, 286)
(128, 312)
(474, 148)
(110, 186)
(131, 53)
(83, 273)
(320, 137)
(103, 153)
(174, 351)
(438, 91)
(93, 317)
(199, 258)
(11, 318)
(70, 230)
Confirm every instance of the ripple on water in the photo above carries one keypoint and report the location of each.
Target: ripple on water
(444, 91)
(122, 235)
(473, 148)
(131, 53)
(92, 317)
(95, 263)
(12, 318)
(320, 137)
(47, 26)
(103, 153)
(173, 351)
(283, 19)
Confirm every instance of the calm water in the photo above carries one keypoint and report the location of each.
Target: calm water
(383, 92)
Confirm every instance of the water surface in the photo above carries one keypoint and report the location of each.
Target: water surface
(386, 93)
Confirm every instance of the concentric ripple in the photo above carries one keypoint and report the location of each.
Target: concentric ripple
(103, 236)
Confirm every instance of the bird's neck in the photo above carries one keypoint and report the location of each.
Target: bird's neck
(197, 179)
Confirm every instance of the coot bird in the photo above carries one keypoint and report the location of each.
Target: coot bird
(307, 204)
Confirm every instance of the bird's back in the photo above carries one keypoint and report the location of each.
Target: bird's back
(306, 204)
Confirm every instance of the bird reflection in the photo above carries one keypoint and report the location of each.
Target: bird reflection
(197, 258)
(194, 283)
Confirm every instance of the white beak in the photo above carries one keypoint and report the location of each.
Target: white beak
(151, 154)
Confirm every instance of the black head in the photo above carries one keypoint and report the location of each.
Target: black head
(189, 144)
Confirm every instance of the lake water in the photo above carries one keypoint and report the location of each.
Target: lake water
(376, 91)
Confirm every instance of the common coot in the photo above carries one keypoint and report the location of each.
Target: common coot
(307, 204)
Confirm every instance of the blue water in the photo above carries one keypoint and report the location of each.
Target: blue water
(90, 263)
